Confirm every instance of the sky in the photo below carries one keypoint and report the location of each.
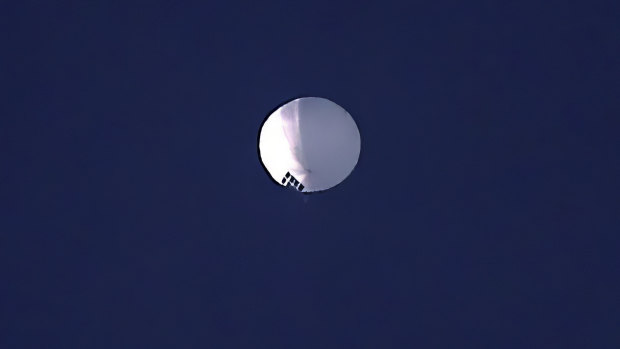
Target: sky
(483, 211)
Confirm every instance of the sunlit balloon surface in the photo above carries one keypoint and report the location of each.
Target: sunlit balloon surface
(310, 143)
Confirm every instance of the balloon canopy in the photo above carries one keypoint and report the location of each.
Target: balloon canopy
(309, 143)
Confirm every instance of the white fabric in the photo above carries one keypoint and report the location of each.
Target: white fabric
(314, 139)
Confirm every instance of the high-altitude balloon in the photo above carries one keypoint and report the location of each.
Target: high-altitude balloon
(309, 143)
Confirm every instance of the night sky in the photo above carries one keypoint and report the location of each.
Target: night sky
(484, 211)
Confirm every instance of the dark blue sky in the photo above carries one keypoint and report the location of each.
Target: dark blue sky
(484, 211)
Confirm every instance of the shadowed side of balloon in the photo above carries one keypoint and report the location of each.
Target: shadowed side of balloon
(330, 140)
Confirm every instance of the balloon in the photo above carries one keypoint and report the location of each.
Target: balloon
(309, 143)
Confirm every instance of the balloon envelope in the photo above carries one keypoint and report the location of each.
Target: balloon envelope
(310, 143)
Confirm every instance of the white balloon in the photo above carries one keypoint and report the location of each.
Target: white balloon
(310, 143)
